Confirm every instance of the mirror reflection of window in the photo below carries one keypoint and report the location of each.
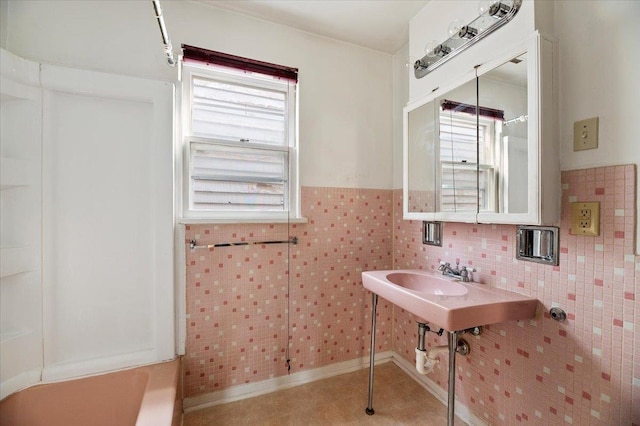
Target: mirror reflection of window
(505, 88)
(467, 184)
(457, 182)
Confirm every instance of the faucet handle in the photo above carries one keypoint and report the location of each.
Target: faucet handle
(443, 267)
(465, 272)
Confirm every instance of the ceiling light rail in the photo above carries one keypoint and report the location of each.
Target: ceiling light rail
(166, 41)
(493, 15)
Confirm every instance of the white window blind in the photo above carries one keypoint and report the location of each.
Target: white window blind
(458, 139)
(234, 112)
(464, 183)
(228, 178)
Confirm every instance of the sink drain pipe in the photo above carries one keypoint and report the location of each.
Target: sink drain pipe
(454, 346)
(427, 360)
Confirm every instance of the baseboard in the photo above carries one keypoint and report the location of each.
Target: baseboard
(249, 390)
(461, 410)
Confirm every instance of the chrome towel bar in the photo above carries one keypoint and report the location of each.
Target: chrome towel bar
(193, 244)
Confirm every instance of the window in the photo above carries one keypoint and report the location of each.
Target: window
(467, 184)
(239, 130)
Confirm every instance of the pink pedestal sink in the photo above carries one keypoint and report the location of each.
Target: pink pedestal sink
(451, 304)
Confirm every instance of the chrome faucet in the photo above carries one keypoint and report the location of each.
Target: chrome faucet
(445, 267)
(461, 273)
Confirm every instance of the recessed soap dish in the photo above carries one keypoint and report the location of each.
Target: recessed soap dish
(432, 233)
(538, 244)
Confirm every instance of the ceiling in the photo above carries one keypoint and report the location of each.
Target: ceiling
(381, 25)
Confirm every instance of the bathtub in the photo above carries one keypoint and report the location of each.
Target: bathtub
(144, 396)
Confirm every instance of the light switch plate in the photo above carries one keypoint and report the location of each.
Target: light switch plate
(585, 134)
(585, 218)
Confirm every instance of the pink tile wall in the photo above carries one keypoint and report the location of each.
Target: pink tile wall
(236, 308)
(582, 371)
(422, 201)
(237, 297)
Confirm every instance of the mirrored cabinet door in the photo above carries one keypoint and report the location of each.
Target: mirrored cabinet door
(441, 170)
(504, 150)
(420, 196)
(520, 83)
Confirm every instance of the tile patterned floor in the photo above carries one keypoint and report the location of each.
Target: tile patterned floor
(341, 400)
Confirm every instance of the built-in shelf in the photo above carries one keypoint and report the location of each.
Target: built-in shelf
(8, 97)
(11, 96)
(18, 260)
(21, 110)
(8, 335)
(14, 173)
(13, 90)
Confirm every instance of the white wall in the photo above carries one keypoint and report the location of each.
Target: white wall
(599, 68)
(4, 11)
(345, 90)
(401, 68)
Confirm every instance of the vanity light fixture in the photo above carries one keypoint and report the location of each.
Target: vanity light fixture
(467, 32)
(441, 50)
(493, 15)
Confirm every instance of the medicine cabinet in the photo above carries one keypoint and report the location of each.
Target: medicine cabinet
(483, 149)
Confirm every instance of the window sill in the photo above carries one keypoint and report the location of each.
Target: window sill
(222, 221)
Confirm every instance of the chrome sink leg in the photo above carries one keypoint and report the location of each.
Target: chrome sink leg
(374, 306)
(453, 346)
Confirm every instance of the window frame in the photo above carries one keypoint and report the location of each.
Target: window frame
(185, 138)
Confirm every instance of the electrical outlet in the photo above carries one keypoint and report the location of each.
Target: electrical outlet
(585, 218)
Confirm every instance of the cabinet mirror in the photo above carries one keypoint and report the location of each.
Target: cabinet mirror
(420, 175)
(440, 154)
(467, 150)
(502, 91)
